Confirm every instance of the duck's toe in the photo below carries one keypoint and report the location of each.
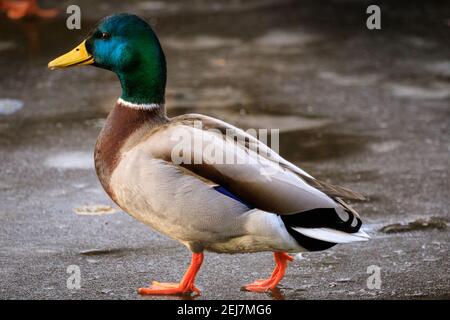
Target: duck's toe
(259, 286)
(281, 259)
(162, 288)
(46, 13)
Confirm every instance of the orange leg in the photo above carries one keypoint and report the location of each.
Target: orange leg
(17, 9)
(281, 260)
(186, 285)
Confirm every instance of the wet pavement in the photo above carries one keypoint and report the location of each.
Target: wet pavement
(364, 109)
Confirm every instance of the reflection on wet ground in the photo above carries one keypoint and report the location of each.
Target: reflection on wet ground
(367, 110)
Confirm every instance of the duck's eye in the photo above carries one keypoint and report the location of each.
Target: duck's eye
(104, 35)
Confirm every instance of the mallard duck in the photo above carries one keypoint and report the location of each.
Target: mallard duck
(264, 203)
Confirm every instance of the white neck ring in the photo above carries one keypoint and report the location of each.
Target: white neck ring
(139, 106)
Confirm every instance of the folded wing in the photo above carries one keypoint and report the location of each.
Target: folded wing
(243, 165)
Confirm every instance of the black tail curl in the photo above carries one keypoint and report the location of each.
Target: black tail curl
(323, 218)
(319, 218)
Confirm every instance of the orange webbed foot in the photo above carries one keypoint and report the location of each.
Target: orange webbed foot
(18, 9)
(259, 287)
(186, 286)
(160, 288)
(281, 259)
(46, 13)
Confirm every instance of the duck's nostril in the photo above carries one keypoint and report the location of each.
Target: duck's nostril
(78, 49)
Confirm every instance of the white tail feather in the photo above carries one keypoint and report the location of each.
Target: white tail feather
(331, 235)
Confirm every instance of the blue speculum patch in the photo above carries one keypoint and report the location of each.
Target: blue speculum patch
(233, 196)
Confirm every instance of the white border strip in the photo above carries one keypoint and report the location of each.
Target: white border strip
(144, 106)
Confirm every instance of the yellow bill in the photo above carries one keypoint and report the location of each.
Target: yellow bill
(77, 57)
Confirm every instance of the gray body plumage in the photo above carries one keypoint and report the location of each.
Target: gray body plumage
(180, 199)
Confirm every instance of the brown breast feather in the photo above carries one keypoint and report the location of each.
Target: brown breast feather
(122, 125)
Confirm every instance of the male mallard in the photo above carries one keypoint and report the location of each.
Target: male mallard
(265, 204)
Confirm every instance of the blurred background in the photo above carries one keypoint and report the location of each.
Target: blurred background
(366, 109)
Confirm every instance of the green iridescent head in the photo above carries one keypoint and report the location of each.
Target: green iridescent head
(126, 45)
